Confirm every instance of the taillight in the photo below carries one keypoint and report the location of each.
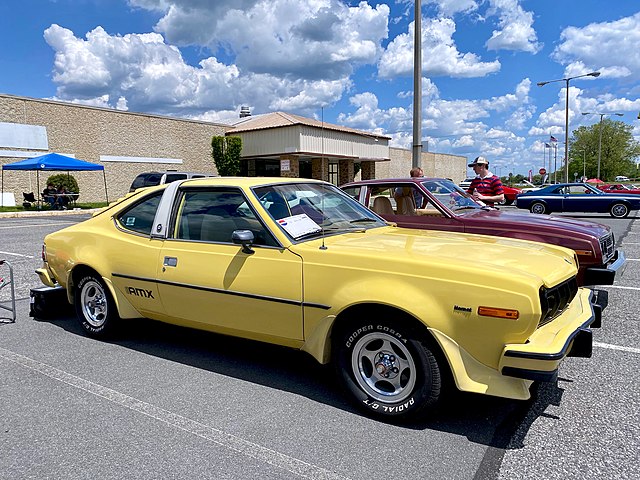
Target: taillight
(44, 253)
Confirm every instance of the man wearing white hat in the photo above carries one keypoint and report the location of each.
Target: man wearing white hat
(486, 187)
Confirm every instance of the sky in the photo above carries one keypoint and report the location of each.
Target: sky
(345, 62)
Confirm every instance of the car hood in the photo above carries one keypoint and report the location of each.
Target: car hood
(530, 222)
(470, 258)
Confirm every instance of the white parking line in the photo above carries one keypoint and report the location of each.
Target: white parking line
(16, 254)
(227, 440)
(622, 288)
(616, 347)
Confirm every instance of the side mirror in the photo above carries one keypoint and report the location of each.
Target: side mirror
(244, 238)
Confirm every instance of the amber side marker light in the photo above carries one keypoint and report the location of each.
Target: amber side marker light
(498, 313)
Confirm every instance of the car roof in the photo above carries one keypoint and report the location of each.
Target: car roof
(394, 180)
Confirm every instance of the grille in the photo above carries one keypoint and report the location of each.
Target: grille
(555, 300)
(607, 244)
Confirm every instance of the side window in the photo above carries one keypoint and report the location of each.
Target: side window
(354, 192)
(152, 179)
(172, 177)
(139, 218)
(213, 216)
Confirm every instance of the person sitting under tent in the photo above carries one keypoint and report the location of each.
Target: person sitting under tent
(49, 194)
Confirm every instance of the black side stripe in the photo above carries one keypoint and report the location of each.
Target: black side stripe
(226, 292)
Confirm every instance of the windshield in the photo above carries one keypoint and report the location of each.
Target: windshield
(451, 195)
(305, 210)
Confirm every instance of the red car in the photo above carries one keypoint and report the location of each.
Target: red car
(439, 204)
(619, 188)
(510, 194)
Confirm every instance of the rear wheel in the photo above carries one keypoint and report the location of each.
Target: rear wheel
(387, 369)
(538, 207)
(507, 201)
(619, 210)
(95, 308)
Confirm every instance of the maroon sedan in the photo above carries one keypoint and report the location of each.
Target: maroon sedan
(439, 204)
(619, 189)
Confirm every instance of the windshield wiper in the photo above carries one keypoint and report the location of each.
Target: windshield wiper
(364, 220)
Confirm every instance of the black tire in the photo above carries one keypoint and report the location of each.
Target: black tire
(538, 207)
(387, 369)
(619, 210)
(508, 201)
(95, 307)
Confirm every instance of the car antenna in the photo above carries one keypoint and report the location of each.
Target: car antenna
(323, 246)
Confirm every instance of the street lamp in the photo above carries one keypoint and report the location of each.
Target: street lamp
(584, 163)
(602, 115)
(566, 113)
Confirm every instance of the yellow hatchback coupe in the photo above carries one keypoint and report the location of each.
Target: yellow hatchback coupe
(299, 263)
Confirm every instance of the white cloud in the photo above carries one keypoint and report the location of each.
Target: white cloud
(440, 56)
(142, 73)
(516, 28)
(311, 39)
(611, 47)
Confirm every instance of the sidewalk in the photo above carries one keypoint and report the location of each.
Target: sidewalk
(48, 213)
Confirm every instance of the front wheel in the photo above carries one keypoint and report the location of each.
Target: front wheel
(538, 207)
(387, 369)
(619, 210)
(95, 308)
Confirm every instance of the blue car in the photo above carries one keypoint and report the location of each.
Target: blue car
(577, 197)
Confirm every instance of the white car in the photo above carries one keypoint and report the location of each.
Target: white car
(622, 178)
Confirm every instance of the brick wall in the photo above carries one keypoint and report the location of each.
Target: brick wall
(88, 132)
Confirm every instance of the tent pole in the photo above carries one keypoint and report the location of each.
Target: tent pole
(2, 190)
(106, 194)
(38, 206)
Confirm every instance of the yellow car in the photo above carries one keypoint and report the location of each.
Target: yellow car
(299, 263)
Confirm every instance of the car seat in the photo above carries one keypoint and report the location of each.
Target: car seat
(382, 206)
(404, 201)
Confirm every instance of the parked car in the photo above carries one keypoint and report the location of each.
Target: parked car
(443, 206)
(622, 178)
(466, 183)
(577, 197)
(619, 189)
(510, 194)
(150, 179)
(301, 264)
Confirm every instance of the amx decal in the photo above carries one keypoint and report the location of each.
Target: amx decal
(140, 292)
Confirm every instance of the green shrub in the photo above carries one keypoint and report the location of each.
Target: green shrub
(64, 180)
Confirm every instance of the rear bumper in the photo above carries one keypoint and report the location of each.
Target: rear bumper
(568, 335)
(606, 274)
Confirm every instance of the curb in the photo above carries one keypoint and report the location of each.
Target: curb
(48, 213)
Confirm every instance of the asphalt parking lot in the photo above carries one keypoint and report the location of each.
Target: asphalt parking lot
(166, 402)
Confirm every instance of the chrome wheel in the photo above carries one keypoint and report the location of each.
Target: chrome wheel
(619, 210)
(383, 367)
(94, 303)
(538, 208)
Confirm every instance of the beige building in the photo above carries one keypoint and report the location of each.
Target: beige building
(128, 143)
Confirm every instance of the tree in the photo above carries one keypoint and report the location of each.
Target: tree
(619, 150)
(226, 155)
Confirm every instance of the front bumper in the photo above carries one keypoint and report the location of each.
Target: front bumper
(568, 335)
(606, 274)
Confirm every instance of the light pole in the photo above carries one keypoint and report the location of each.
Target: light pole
(416, 157)
(602, 115)
(566, 114)
(584, 163)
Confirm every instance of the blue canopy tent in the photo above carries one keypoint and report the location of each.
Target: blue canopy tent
(54, 162)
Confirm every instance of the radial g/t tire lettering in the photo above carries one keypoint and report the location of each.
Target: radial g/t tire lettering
(387, 369)
(95, 308)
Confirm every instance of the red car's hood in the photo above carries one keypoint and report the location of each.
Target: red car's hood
(530, 222)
